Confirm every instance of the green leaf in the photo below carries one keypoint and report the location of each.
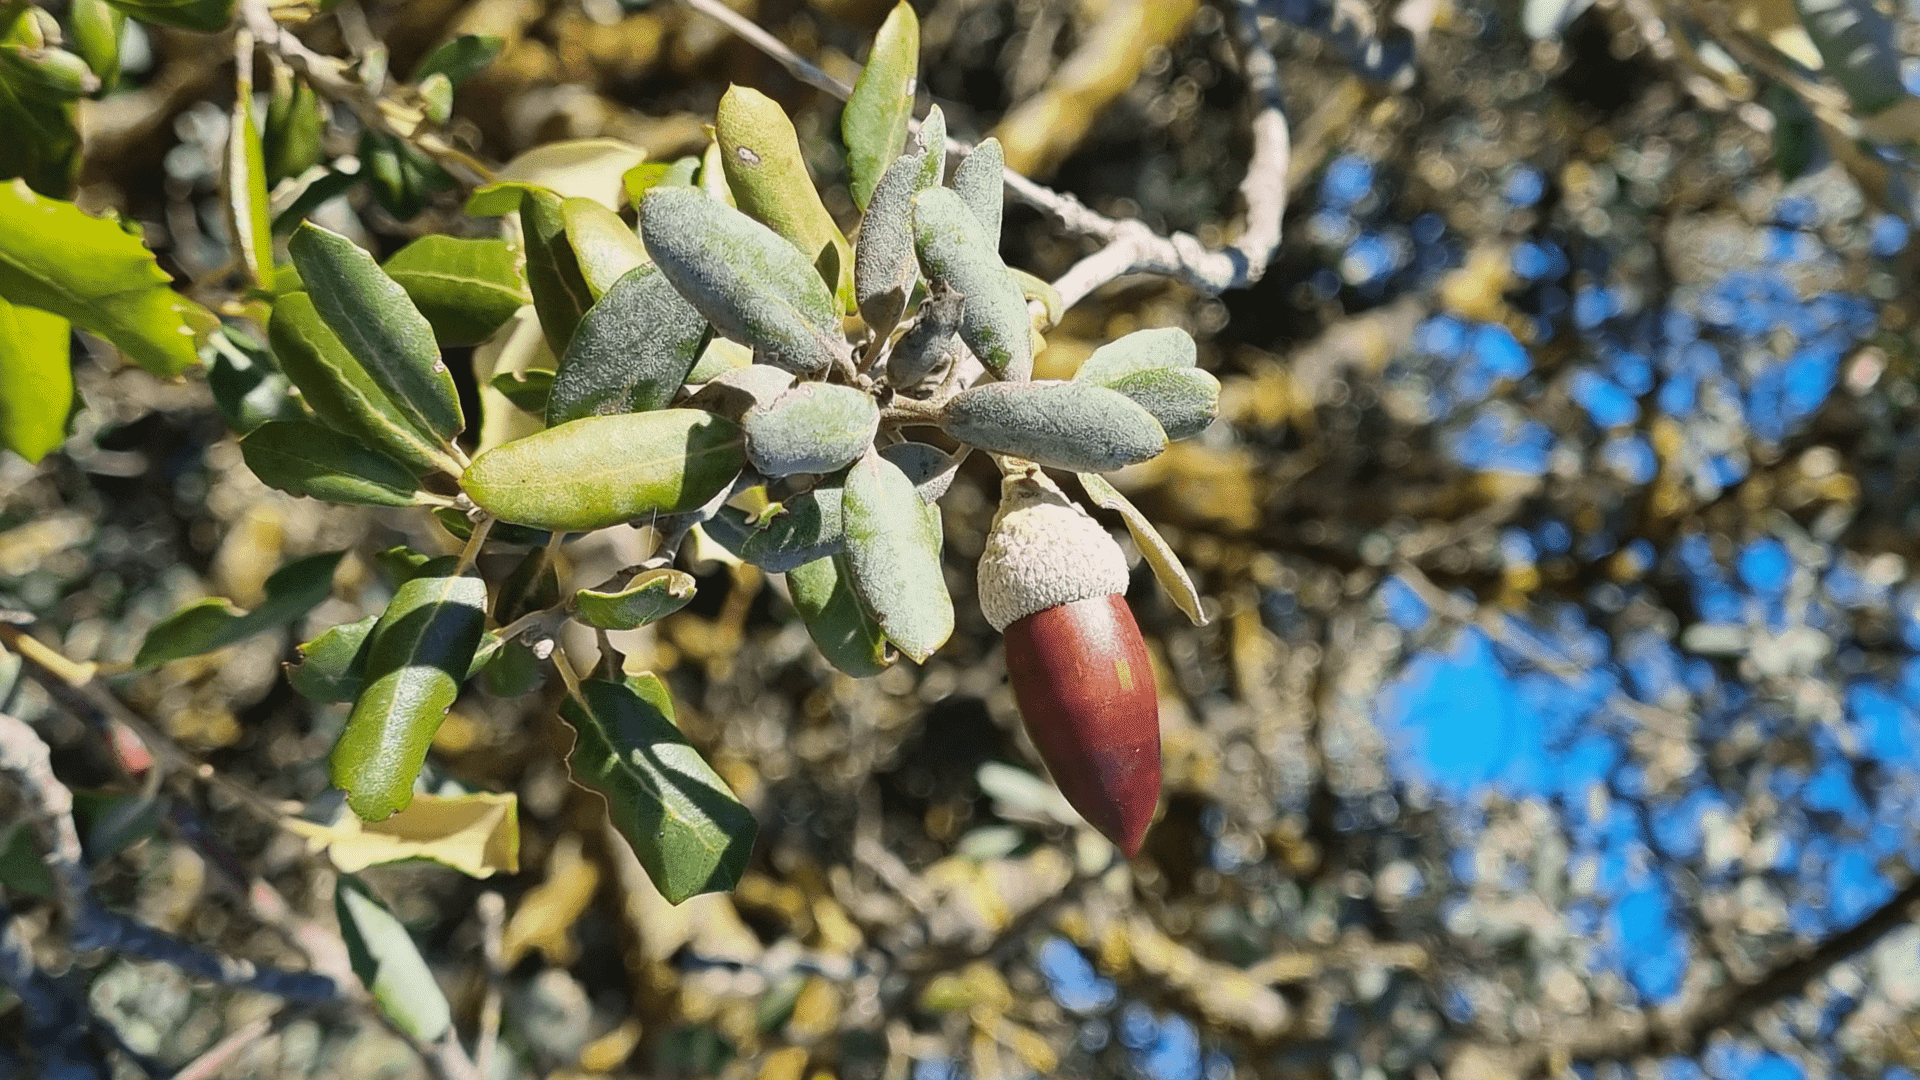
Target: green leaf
(712, 178)
(602, 244)
(341, 392)
(296, 125)
(1062, 425)
(768, 176)
(1184, 400)
(389, 963)
(717, 358)
(377, 322)
(417, 657)
(467, 289)
(604, 470)
(648, 175)
(460, 527)
(1858, 44)
(650, 596)
(96, 26)
(1154, 548)
(797, 530)
(47, 71)
(528, 390)
(300, 457)
(930, 468)
(932, 344)
(333, 666)
(460, 58)
(955, 251)
(246, 188)
(588, 168)
(1142, 350)
(560, 292)
(97, 276)
(533, 585)
(893, 557)
(753, 286)
(247, 386)
(632, 352)
(512, 671)
(203, 15)
(980, 181)
(884, 266)
(874, 123)
(814, 427)
(690, 832)
(1038, 288)
(213, 623)
(36, 381)
(41, 137)
(845, 634)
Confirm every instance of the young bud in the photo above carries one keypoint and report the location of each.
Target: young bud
(1054, 582)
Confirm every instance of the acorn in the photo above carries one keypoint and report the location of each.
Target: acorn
(1054, 582)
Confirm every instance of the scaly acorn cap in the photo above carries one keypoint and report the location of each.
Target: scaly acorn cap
(1044, 551)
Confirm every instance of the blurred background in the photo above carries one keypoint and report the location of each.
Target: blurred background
(1557, 711)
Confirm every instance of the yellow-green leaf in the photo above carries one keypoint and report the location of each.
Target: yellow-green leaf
(98, 276)
(36, 381)
(602, 244)
(588, 168)
(761, 155)
(96, 27)
(1153, 547)
(652, 595)
(874, 123)
(246, 183)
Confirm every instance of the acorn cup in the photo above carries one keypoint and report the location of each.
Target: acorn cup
(1054, 583)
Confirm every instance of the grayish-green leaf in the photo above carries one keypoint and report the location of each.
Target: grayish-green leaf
(748, 281)
(377, 322)
(812, 428)
(875, 120)
(389, 963)
(419, 653)
(893, 556)
(689, 830)
(884, 264)
(333, 666)
(604, 470)
(467, 289)
(650, 596)
(631, 353)
(954, 251)
(341, 392)
(1860, 49)
(845, 634)
(1184, 400)
(209, 624)
(930, 468)
(300, 457)
(1166, 565)
(1063, 425)
(1142, 350)
(980, 182)
(931, 345)
(796, 531)
(738, 391)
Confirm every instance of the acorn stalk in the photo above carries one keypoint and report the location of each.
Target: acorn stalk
(1054, 583)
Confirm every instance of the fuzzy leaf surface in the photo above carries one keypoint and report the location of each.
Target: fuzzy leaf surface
(980, 182)
(760, 153)
(1142, 350)
(893, 556)
(884, 265)
(631, 353)
(814, 427)
(955, 251)
(1062, 425)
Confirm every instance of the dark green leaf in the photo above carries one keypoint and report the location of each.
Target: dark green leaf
(1858, 44)
(380, 327)
(1062, 425)
(41, 136)
(213, 623)
(333, 666)
(300, 457)
(460, 58)
(512, 671)
(97, 276)
(467, 289)
(690, 832)
(460, 527)
(529, 391)
(417, 657)
(36, 381)
(560, 293)
(389, 963)
(797, 531)
(842, 630)
(631, 353)
(604, 470)
(203, 15)
(341, 392)
(652, 595)
(875, 120)
(247, 388)
(932, 344)
(955, 251)
(893, 557)
(751, 284)
(296, 125)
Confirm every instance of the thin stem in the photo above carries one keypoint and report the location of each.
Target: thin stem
(471, 552)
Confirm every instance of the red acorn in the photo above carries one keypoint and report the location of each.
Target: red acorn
(1053, 581)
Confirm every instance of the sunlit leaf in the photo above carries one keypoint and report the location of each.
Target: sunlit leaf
(845, 634)
(467, 289)
(885, 266)
(1166, 565)
(417, 657)
(631, 353)
(36, 381)
(689, 830)
(380, 326)
(604, 470)
(652, 595)
(980, 182)
(814, 427)
(584, 168)
(476, 834)
(648, 175)
(560, 292)
(206, 625)
(1072, 426)
(95, 27)
(96, 275)
(955, 251)
(602, 244)
(768, 176)
(874, 123)
(388, 962)
(246, 188)
(300, 457)
(333, 666)
(893, 557)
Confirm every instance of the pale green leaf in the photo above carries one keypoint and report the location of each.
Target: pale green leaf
(389, 963)
(875, 120)
(1159, 555)
(476, 834)
(36, 381)
(602, 244)
(893, 557)
(1062, 425)
(814, 427)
